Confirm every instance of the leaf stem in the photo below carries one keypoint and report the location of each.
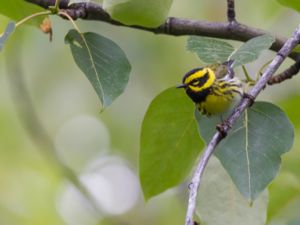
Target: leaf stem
(230, 11)
(55, 9)
(62, 13)
(24, 20)
(248, 77)
(56, 6)
(260, 72)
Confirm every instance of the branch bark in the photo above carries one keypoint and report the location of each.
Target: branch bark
(172, 26)
(230, 11)
(287, 74)
(289, 45)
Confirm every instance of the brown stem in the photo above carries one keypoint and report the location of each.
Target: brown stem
(230, 11)
(287, 74)
(172, 26)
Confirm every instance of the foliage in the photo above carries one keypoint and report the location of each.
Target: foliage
(138, 12)
(18, 9)
(218, 187)
(211, 50)
(293, 4)
(169, 142)
(173, 133)
(250, 148)
(102, 61)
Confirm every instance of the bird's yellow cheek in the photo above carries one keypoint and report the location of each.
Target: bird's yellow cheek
(195, 88)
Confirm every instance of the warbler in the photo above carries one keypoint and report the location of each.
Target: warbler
(212, 89)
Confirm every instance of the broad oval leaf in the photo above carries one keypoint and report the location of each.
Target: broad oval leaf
(102, 61)
(10, 28)
(19, 9)
(138, 12)
(219, 202)
(210, 50)
(169, 142)
(251, 151)
(293, 4)
(251, 50)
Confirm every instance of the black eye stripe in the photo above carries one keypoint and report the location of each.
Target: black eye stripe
(202, 80)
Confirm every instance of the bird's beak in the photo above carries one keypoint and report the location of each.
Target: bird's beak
(181, 86)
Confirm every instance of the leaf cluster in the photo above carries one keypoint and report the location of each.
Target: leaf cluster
(173, 133)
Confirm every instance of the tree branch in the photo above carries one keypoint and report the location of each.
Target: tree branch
(245, 102)
(287, 74)
(230, 11)
(172, 26)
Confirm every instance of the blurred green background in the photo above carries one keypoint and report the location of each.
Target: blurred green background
(103, 147)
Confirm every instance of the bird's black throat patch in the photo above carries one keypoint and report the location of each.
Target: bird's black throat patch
(198, 97)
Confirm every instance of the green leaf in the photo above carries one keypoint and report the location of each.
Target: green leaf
(102, 61)
(251, 50)
(19, 9)
(219, 202)
(169, 143)
(10, 28)
(138, 12)
(297, 49)
(251, 151)
(293, 4)
(209, 50)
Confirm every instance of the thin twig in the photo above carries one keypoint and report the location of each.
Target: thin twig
(230, 11)
(245, 102)
(44, 13)
(287, 74)
(172, 26)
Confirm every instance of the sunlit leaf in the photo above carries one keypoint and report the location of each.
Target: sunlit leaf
(219, 202)
(102, 61)
(138, 12)
(8, 31)
(251, 50)
(169, 142)
(209, 50)
(293, 4)
(251, 152)
(19, 9)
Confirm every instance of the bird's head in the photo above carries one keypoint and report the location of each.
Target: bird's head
(198, 79)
